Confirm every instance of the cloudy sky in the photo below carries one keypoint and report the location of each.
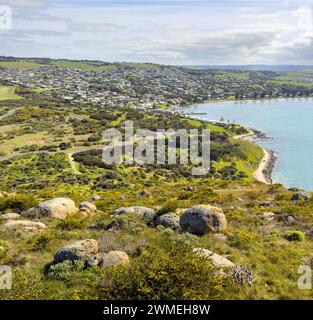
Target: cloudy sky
(162, 31)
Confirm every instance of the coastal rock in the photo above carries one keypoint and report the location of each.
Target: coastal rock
(57, 208)
(25, 226)
(10, 216)
(216, 260)
(114, 259)
(301, 196)
(79, 250)
(132, 210)
(203, 219)
(168, 220)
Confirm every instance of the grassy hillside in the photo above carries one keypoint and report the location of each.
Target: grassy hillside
(88, 66)
(8, 93)
(19, 64)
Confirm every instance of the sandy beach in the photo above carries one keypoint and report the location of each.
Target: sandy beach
(265, 162)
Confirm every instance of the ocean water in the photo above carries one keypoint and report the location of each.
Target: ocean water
(288, 123)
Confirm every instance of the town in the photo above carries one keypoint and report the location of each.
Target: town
(148, 86)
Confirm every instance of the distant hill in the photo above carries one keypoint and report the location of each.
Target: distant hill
(257, 67)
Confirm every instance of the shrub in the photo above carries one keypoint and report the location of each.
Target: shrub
(18, 202)
(41, 241)
(169, 206)
(294, 235)
(62, 271)
(73, 222)
(174, 273)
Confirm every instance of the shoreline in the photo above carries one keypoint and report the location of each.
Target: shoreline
(266, 166)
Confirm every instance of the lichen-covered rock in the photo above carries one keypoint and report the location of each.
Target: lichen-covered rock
(10, 216)
(203, 219)
(216, 259)
(114, 259)
(132, 210)
(79, 250)
(25, 225)
(57, 208)
(168, 220)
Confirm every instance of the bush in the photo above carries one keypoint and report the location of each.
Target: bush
(294, 235)
(156, 274)
(41, 241)
(168, 207)
(62, 271)
(18, 202)
(73, 222)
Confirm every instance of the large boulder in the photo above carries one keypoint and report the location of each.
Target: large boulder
(114, 259)
(215, 259)
(168, 220)
(10, 216)
(57, 208)
(203, 219)
(132, 210)
(301, 196)
(25, 226)
(80, 250)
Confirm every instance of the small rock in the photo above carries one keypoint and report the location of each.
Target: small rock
(10, 216)
(96, 198)
(220, 237)
(168, 220)
(217, 260)
(114, 259)
(79, 250)
(288, 219)
(301, 196)
(89, 206)
(203, 219)
(189, 188)
(265, 204)
(268, 215)
(132, 210)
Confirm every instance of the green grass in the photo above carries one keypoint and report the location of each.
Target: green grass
(87, 66)
(19, 65)
(8, 93)
(292, 83)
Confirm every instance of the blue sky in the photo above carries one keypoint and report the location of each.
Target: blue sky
(163, 31)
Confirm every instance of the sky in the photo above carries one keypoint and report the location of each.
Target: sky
(178, 32)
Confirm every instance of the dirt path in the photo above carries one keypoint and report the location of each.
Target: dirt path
(7, 114)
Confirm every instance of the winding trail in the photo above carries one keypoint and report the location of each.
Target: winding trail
(265, 162)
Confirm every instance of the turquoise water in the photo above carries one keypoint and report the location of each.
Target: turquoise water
(289, 124)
